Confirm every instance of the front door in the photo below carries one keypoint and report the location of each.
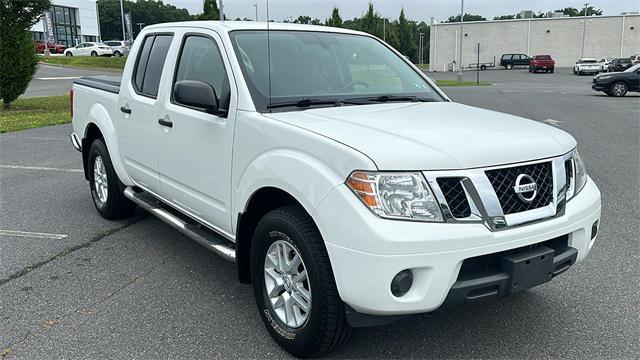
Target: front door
(138, 107)
(194, 147)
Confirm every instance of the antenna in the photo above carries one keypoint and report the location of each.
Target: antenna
(269, 55)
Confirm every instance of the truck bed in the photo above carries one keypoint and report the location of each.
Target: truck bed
(106, 83)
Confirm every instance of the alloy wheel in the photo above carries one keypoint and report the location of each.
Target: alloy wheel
(287, 284)
(100, 179)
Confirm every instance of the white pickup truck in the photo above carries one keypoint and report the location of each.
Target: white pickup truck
(347, 187)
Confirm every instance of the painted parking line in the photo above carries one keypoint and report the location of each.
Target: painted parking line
(59, 78)
(39, 168)
(36, 235)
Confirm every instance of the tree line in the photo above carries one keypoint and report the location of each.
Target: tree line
(568, 11)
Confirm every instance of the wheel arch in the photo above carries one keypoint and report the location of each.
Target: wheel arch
(260, 202)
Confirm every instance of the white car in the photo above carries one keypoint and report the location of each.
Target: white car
(89, 49)
(345, 185)
(119, 47)
(586, 66)
(603, 64)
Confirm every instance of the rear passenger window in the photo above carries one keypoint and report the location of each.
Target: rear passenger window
(155, 64)
(200, 60)
(141, 63)
(146, 77)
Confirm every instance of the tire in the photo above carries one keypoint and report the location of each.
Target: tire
(69, 53)
(483, 67)
(117, 54)
(93, 53)
(508, 66)
(619, 89)
(575, 72)
(110, 203)
(530, 69)
(551, 70)
(325, 327)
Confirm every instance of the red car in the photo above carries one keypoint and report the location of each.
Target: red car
(542, 62)
(53, 48)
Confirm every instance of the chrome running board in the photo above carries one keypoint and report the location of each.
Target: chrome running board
(205, 237)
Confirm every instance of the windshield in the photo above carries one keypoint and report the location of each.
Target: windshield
(321, 68)
(633, 68)
(588, 61)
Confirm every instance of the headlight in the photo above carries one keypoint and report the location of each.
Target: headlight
(404, 196)
(577, 174)
(604, 77)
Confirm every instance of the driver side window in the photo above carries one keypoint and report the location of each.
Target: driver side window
(200, 59)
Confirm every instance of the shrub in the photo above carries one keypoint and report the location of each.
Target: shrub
(18, 58)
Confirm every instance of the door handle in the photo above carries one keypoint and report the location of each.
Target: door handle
(125, 110)
(166, 123)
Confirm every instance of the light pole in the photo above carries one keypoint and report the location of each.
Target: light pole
(584, 28)
(256, 6)
(221, 11)
(421, 51)
(460, 42)
(140, 25)
(124, 33)
(384, 29)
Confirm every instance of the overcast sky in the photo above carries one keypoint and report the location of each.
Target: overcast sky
(415, 9)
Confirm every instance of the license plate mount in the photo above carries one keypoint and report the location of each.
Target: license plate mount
(529, 268)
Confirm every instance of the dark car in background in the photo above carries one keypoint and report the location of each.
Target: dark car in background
(53, 48)
(621, 64)
(542, 63)
(509, 61)
(618, 83)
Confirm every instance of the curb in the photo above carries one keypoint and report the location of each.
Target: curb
(80, 67)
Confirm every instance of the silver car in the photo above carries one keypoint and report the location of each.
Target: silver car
(119, 47)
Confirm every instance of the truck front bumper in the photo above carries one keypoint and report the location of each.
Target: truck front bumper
(367, 252)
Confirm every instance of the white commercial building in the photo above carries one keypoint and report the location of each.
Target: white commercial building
(73, 22)
(562, 38)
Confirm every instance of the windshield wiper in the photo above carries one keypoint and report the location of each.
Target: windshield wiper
(304, 103)
(389, 98)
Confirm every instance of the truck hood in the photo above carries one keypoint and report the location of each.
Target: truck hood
(433, 136)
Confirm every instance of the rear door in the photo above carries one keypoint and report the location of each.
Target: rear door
(138, 107)
(195, 152)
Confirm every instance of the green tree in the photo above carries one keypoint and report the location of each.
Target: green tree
(335, 20)
(504, 17)
(302, 19)
(210, 11)
(467, 17)
(571, 11)
(18, 58)
(406, 37)
(148, 12)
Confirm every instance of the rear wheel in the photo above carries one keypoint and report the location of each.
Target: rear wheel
(69, 53)
(551, 70)
(106, 188)
(93, 53)
(619, 89)
(117, 53)
(483, 67)
(294, 286)
(508, 67)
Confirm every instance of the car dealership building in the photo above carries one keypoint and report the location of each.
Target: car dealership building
(72, 22)
(561, 37)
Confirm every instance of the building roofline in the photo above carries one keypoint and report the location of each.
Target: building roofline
(536, 19)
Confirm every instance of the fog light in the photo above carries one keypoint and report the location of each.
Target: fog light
(401, 283)
(594, 230)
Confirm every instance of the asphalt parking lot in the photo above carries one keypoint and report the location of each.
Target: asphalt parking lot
(73, 285)
(56, 80)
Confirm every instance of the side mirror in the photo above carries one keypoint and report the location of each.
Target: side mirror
(196, 94)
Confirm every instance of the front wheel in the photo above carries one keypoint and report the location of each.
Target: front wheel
(117, 54)
(294, 286)
(508, 67)
(619, 89)
(69, 53)
(106, 188)
(93, 53)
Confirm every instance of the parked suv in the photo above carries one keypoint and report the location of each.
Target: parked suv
(348, 189)
(586, 66)
(618, 65)
(542, 62)
(119, 47)
(508, 61)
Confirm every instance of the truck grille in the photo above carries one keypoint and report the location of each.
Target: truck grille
(503, 181)
(455, 196)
